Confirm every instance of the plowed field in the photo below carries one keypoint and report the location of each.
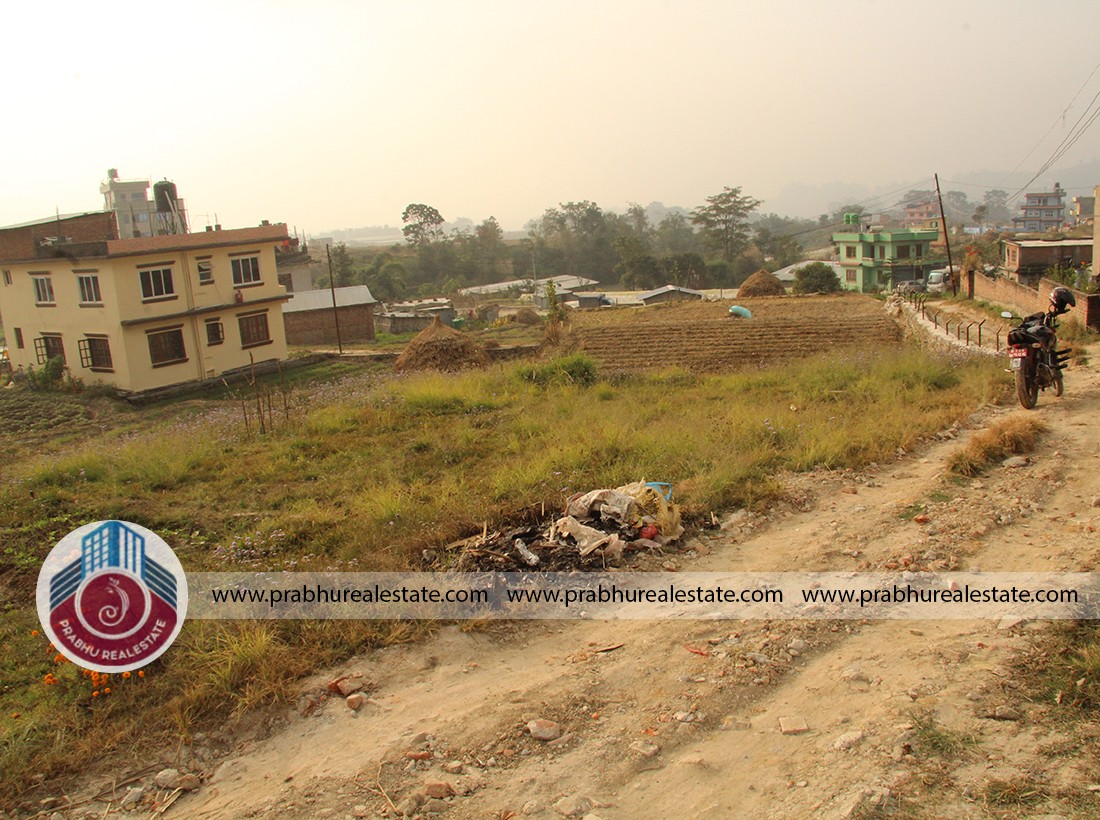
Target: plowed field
(701, 337)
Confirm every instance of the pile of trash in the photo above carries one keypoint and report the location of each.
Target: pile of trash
(594, 532)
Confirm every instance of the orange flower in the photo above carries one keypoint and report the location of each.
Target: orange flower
(126, 675)
(107, 691)
(141, 673)
(95, 694)
(34, 633)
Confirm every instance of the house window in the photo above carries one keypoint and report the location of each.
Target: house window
(254, 329)
(47, 347)
(903, 251)
(206, 272)
(89, 290)
(919, 249)
(850, 251)
(215, 332)
(849, 276)
(246, 271)
(18, 337)
(95, 353)
(881, 251)
(166, 346)
(157, 283)
(43, 290)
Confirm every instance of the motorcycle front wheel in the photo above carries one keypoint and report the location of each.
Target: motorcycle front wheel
(1058, 386)
(1027, 386)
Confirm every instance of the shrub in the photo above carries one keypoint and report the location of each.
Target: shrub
(574, 369)
(48, 376)
(817, 277)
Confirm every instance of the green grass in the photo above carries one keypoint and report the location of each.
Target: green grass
(366, 472)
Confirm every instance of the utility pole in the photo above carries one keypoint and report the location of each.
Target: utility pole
(332, 289)
(946, 241)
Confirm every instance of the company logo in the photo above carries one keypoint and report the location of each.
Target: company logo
(112, 596)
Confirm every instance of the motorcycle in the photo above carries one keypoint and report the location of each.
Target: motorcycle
(1033, 357)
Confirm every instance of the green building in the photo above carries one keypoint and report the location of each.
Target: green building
(881, 259)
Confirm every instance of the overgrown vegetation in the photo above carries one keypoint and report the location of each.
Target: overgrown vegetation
(366, 472)
(1015, 435)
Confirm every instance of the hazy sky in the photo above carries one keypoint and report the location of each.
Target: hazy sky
(338, 114)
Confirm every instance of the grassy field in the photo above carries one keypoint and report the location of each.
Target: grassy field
(366, 470)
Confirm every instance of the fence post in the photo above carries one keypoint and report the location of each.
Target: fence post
(982, 322)
(998, 346)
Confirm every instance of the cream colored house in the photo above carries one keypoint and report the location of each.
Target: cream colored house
(142, 313)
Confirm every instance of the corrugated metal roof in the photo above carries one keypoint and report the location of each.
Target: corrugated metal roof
(321, 299)
(667, 289)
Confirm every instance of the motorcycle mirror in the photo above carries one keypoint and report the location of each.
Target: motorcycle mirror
(1006, 315)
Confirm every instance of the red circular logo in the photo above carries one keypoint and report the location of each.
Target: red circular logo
(112, 604)
(112, 596)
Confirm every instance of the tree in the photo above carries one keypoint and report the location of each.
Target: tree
(686, 269)
(423, 225)
(996, 205)
(490, 248)
(816, 277)
(674, 235)
(779, 250)
(576, 239)
(387, 283)
(343, 268)
(724, 221)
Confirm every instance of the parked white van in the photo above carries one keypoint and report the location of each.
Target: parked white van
(937, 280)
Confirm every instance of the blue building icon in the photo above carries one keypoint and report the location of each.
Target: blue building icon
(113, 545)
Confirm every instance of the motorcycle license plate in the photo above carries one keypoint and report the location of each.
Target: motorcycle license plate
(1017, 352)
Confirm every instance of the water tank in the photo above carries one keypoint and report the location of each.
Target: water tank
(164, 194)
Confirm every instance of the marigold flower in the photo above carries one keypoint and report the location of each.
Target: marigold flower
(95, 694)
(34, 633)
(141, 673)
(125, 675)
(107, 691)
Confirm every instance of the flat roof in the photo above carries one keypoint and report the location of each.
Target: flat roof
(201, 239)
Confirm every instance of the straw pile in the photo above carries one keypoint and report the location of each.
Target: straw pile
(527, 316)
(438, 347)
(762, 283)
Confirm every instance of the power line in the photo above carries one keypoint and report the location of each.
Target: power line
(1060, 118)
(1076, 132)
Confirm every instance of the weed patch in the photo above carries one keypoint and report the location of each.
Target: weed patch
(1013, 435)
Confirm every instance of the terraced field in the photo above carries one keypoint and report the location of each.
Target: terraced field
(700, 336)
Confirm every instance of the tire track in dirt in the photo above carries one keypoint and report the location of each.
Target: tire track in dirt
(465, 697)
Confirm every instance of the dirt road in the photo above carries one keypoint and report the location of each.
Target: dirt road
(902, 718)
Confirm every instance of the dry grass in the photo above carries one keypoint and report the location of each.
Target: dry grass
(1014, 435)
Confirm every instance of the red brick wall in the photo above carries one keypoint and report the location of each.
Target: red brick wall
(1025, 300)
(318, 327)
(17, 244)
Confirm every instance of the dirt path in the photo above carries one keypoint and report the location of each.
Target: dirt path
(651, 729)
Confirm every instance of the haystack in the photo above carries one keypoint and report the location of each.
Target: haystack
(762, 283)
(438, 347)
(527, 316)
